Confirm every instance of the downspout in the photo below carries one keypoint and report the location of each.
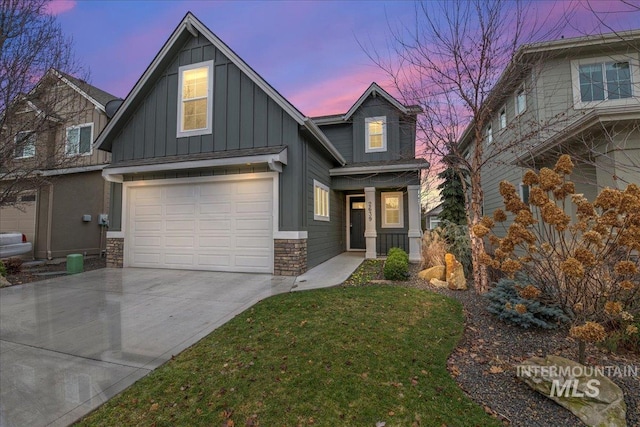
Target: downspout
(49, 221)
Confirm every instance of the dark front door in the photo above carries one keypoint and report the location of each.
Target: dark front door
(356, 228)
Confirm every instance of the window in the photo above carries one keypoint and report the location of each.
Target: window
(376, 134)
(489, 134)
(521, 101)
(604, 81)
(524, 193)
(79, 139)
(320, 201)
(195, 99)
(25, 145)
(392, 210)
(503, 118)
(434, 222)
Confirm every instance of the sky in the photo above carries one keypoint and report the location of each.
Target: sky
(310, 51)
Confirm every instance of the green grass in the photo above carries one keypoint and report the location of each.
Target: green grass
(346, 356)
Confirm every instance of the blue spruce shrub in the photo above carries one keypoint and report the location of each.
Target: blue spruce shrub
(515, 301)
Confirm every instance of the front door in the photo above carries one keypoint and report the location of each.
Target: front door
(356, 227)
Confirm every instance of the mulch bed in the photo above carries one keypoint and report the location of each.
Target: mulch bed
(46, 271)
(490, 345)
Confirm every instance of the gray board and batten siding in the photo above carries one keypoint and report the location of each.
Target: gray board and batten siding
(349, 137)
(244, 117)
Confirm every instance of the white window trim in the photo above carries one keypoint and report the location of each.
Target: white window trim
(66, 140)
(16, 145)
(522, 90)
(367, 147)
(434, 222)
(489, 134)
(634, 63)
(383, 210)
(209, 128)
(317, 184)
(502, 113)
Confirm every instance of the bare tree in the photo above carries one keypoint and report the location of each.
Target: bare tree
(449, 61)
(34, 54)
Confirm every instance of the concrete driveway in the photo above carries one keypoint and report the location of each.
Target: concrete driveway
(69, 344)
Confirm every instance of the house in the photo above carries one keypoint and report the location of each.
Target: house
(577, 96)
(213, 169)
(62, 193)
(431, 217)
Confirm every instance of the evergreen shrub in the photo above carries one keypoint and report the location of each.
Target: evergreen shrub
(396, 267)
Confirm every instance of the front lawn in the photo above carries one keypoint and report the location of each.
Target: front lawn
(340, 356)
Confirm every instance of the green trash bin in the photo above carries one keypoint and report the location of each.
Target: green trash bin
(75, 263)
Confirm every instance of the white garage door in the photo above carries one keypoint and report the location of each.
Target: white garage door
(22, 219)
(217, 226)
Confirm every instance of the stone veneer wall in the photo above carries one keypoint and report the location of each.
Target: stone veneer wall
(115, 252)
(290, 257)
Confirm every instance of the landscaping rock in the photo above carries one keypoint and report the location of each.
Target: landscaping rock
(437, 272)
(439, 283)
(455, 273)
(594, 398)
(4, 282)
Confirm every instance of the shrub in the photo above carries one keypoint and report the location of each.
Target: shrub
(396, 267)
(588, 265)
(3, 269)
(13, 266)
(518, 302)
(458, 243)
(434, 248)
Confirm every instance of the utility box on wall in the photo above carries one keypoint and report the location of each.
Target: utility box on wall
(86, 218)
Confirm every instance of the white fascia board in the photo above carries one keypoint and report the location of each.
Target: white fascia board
(317, 132)
(67, 171)
(280, 158)
(290, 235)
(375, 88)
(357, 170)
(80, 91)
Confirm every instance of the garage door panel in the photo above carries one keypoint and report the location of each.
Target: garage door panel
(143, 225)
(253, 206)
(179, 241)
(252, 224)
(178, 259)
(215, 224)
(252, 261)
(179, 225)
(181, 209)
(215, 260)
(149, 241)
(251, 242)
(214, 242)
(149, 258)
(215, 208)
(152, 210)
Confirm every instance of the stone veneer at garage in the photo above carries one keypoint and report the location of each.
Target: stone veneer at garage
(115, 252)
(289, 257)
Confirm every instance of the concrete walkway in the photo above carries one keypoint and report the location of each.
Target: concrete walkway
(69, 344)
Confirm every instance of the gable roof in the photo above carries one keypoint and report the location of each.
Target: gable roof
(192, 25)
(97, 96)
(375, 90)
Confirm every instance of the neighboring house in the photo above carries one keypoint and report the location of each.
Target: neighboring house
(63, 192)
(432, 217)
(213, 169)
(579, 96)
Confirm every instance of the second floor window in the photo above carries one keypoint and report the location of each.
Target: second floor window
(503, 118)
(521, 101)
(25, 145)
(79, 139)
(195, 99)
(604, 81)
(489, 134)
(375, 134)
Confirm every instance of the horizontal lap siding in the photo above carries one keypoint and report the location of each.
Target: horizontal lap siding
(326, 239)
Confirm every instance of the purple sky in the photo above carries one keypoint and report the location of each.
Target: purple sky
(307, 50)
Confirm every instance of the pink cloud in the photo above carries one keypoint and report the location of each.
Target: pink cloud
(57, 7)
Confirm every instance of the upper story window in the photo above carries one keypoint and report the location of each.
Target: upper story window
(524, 193)
(608, 79)
(521, 101)
(195, 99)
(320, 201)
(392, 210)
(25, 145)
(503, 118)
(79, 139)
(375, 134)
(489, 134)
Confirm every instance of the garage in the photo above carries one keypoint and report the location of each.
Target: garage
(22, 219)
(219, 226)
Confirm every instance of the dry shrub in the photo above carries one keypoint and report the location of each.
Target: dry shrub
(434, 248)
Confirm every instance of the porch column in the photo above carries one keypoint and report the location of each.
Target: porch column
(370, 222)
(415, 232)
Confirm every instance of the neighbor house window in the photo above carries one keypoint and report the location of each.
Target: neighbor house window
(489, 134)
(521, 101)
(604, 81)
(503, 118)
(25, 145)
(375, 134)
(392, 210)
(320, 201)
(195, 99)
(79, 139)
(524, 193)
